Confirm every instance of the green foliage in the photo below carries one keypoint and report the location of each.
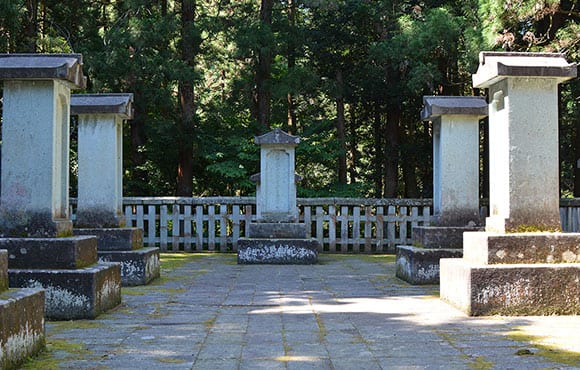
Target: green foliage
(377, 57)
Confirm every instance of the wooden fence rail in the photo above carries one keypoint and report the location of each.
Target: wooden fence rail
(341, 225)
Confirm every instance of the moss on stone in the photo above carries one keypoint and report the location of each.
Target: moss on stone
(480, 363)
(552, 353)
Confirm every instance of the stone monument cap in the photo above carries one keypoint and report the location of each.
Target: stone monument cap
(277, 136)
(121, 104)
(67, 67)
(435, 106)
(495, 66)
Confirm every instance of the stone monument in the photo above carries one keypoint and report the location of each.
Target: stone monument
(35, 225)
(21, 320)
(455, 187)
(277, 237)
(100, 186)
(522, 264)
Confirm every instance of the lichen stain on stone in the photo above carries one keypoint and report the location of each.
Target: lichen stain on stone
(110, 290)
(21, 345)
(152, 267)
(569, 256)
(59, 299)
(515, 293)
(276, 253)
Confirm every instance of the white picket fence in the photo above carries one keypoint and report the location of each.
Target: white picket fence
(341, 225)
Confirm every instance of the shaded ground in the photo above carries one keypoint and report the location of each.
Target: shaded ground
(348, 312)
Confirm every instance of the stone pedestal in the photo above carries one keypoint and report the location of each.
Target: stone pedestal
(34, 206)
(521, 265)
(276, 237)
(139, 265)
(21, 320)
(455, 187)
(76, 286)
(100, 192)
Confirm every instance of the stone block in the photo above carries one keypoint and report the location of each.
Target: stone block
(276, 230)
(441, 236)
(115, 239)
(3, 270)
(534, 289)
(522, 248)
(74, 294)
(138, 267)
(420, 266)
(50, 253)
(277, 251)
(21, 326)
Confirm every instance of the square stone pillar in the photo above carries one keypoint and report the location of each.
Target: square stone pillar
(455, 187)
(276, 195)
(100, 157)
(455, 157)
(35, 150)
(521, 265)
(523, 138)
(100, 192)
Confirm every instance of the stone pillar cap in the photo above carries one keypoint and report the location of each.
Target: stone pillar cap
(66, 67)
(435, 106)
(277, 137)
(495, 66)
(119, 104)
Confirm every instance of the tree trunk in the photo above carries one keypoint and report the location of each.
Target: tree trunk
(31, 26)
(263, 71)
(391, 181)
(185, 126)
(353, 146)
(340, 130)
(409, 165)
(378, 151)
(291, 64)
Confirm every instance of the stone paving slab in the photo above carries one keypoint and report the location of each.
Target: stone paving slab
(348, 312)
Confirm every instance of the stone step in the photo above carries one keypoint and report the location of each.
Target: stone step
(277, 230)
(74, 293)
(21, 325)
(511, 290)
(115, 239)
(50, 253)
(521, 248)
(138, 267)
(277, 251)
(420, 266)
(441, 236)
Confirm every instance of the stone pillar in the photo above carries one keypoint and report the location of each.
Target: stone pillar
(100, 157)
(455, 157)
(35, 223)
(100, 181)
(277, 237)
(276, 195)
(455, 187)
(35, 143)
(521, 265)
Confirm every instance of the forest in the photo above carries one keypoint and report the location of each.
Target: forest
(346, 76)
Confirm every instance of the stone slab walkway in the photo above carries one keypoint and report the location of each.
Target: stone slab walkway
(348, 312)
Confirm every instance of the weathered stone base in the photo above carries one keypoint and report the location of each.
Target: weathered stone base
(277, 230)
(420, 266)
(138, 267)
(522, 289)
(278, 251)
(74, 294)
(441, 236)
(115, 239)
(50, 253)
(21, 325)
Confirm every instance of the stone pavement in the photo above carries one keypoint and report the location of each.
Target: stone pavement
(348, 312)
